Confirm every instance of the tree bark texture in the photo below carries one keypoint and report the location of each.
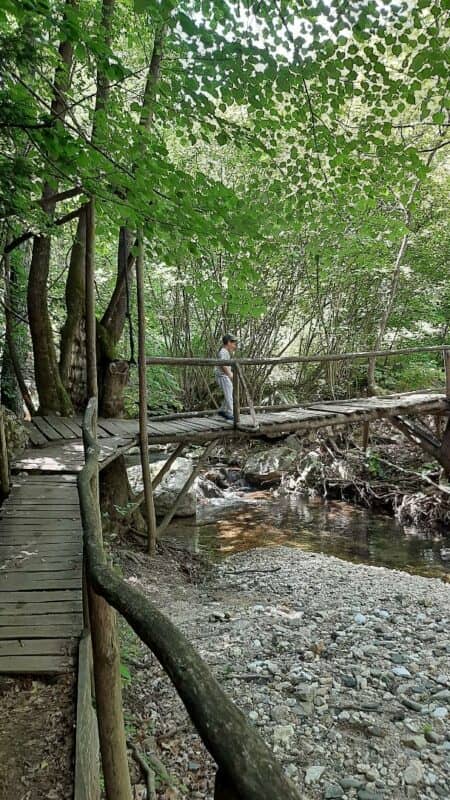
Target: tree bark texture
(53, 397)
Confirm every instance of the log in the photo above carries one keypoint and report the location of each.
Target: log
(243, 757)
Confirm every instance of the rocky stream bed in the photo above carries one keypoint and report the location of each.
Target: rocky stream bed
(344, 670)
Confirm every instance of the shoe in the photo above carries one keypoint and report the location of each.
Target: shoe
(225, 415)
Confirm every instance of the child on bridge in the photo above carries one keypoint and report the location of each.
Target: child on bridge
(224, 375)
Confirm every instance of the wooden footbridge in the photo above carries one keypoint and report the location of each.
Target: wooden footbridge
(41, 614)
(42, 609)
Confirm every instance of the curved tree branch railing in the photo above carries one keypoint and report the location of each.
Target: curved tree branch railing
(247, 768)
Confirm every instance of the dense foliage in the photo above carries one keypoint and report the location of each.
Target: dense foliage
(287, 161)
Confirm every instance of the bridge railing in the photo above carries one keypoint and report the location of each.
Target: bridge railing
(247, 769)
(238, 366)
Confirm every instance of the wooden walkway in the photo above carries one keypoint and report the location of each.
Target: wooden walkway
(41, 610)
(121, 434)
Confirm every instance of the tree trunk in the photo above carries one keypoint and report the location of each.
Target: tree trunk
(53, 397)
(14, 391)
(114, 318)
(73, 337)
(72, 362)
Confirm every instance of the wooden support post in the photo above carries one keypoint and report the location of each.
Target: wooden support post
(143, 434)
(167, 465)
(105, 640)
(236, 397)
(4, 461)
(251, 406)
(446, 354)
(91, 321)
(170, 514)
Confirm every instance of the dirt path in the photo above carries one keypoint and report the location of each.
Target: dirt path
(36, 738)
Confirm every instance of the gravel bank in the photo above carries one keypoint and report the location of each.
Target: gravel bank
(344, 669)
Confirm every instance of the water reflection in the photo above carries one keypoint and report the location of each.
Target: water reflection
(333, 528)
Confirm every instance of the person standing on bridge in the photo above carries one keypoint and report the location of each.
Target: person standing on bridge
(224, 375)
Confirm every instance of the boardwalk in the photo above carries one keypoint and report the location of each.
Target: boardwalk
(41, 612)
(44, 431)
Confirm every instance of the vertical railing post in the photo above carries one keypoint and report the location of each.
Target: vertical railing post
(143, 435)
(236, 396)
(370, 393)
(446, 354)
(4, 462)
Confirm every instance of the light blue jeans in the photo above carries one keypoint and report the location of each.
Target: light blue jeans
(226, 385)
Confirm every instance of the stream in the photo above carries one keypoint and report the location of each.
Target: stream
(236, 523)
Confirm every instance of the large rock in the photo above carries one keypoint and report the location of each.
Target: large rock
(166, 493)
(268, 466)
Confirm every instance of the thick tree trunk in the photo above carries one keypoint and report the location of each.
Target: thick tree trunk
(53, 397)
(72, 362)
(73, 337)
(14, 391)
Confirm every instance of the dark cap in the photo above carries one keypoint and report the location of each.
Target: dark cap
(228, 338)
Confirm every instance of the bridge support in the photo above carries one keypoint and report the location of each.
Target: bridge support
(170, 514)
(419, 433)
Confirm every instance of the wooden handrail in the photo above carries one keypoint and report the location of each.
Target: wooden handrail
(247, 767)
(324, 357)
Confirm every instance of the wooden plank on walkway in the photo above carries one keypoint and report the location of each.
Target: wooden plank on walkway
(45, 632)
(68, 595)
(36, 647)
(47, 430)
(61, 427)
(42, 665)
(37, 620)
(58, 607)
(36, 580)
(35, 436)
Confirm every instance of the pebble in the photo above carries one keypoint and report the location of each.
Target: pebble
(360, 619)
(283, 734)
(413, 773)
(415, 742)
(401, 672)
(440, 712)
(313, 774)
(333, 790)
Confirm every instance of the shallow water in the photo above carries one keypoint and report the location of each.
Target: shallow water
(226, 526)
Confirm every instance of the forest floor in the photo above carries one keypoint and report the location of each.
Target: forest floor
(36, 738)
(343, 668)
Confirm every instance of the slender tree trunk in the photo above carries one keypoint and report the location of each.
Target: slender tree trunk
(105, 641)
(113, 321)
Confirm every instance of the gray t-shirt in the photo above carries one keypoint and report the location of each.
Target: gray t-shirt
(224, 355)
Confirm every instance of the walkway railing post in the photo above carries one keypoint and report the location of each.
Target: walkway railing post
(143, 437)
(4, 462)
(236, 396)
(446, 354)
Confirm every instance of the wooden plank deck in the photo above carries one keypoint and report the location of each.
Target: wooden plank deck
(63, 451)
(41, 557)
(41, 615)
